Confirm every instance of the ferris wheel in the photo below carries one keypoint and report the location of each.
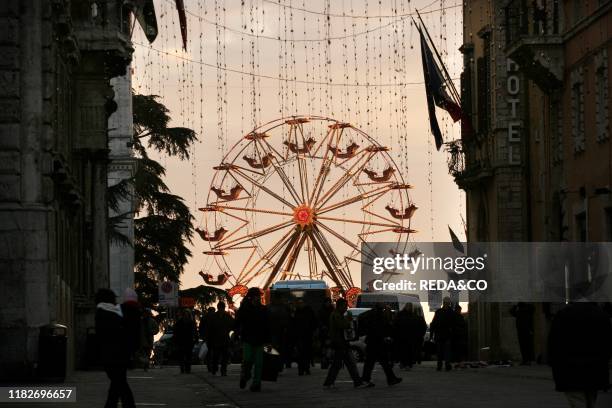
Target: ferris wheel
(300, 198)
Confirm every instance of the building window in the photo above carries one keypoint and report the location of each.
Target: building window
(556, 126)
(577, 81)
(608, 224)
(601, 97)
(581, 227)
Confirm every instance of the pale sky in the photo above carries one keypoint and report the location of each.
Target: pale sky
(384, 50)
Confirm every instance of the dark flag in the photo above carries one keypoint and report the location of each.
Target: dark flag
(435, 89)
(456, 242)
(180, 6)
(144, 12)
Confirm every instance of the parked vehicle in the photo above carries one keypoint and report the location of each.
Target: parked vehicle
(396, 301)
(166, 353)
(312, 292)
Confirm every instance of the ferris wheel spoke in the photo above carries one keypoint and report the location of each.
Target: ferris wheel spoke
(343, 239)
(266, 258)
(222, 208)
(281, 261)
(247, 237)
(312, 260)
(331, 270)
(346, 177)
(266, 189)
(377, 224)
(329, 258)
(293, 257)
(359, 197)
(281, 173)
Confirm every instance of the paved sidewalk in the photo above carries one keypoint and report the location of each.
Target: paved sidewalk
(158, 387)
(423, 386)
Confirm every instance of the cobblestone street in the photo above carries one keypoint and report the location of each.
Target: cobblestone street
(422, 387)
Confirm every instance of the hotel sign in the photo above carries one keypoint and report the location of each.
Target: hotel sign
(513, 88)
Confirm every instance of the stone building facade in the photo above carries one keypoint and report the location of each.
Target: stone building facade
(537, 163)
(57, 58)
(121, 167)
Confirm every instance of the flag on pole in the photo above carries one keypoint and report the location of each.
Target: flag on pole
(436, 90)
(180, 7)
(144, 12)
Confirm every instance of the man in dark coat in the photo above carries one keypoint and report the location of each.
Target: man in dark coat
(279, 315)
(219, 326)
(409, 329)
(203, 332)
(377, 325)
(579, 351)
(442, 328)
(523, 314)
(252, 327)
(114, 351)
(132, 316)
(185, 335)
(303, 326)
(323, 320)
(338, 324)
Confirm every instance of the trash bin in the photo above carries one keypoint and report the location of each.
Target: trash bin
(52, 349)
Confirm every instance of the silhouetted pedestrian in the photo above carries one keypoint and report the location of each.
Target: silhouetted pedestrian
(220, 326)
(441, 329)
(185, 335)
(112, 340)
(203, 333)
(338, 323)
(579, 351)
(303, 326)
(523, 315)
(149, 328)
(459, 340)
(323, 320)
(409, 329)
(279, 315)
(377, 325)
(132, 315)
(252, 326)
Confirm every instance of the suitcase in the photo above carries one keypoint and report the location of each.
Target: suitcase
(271, 364)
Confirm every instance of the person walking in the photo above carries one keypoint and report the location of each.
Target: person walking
(459, 340)
(323, 331)
(377, 325)
(112, 340)
(185, 335)
(203, 333)
(441, 329)
(252, 326)
(132, 315)
(523, 315)
(220, 326)
(149, 328)
(303, 326)
(579, 352)
(409, 329)
(338, 323)
(279, 315)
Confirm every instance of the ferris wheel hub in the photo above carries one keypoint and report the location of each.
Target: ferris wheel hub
(303, 215)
